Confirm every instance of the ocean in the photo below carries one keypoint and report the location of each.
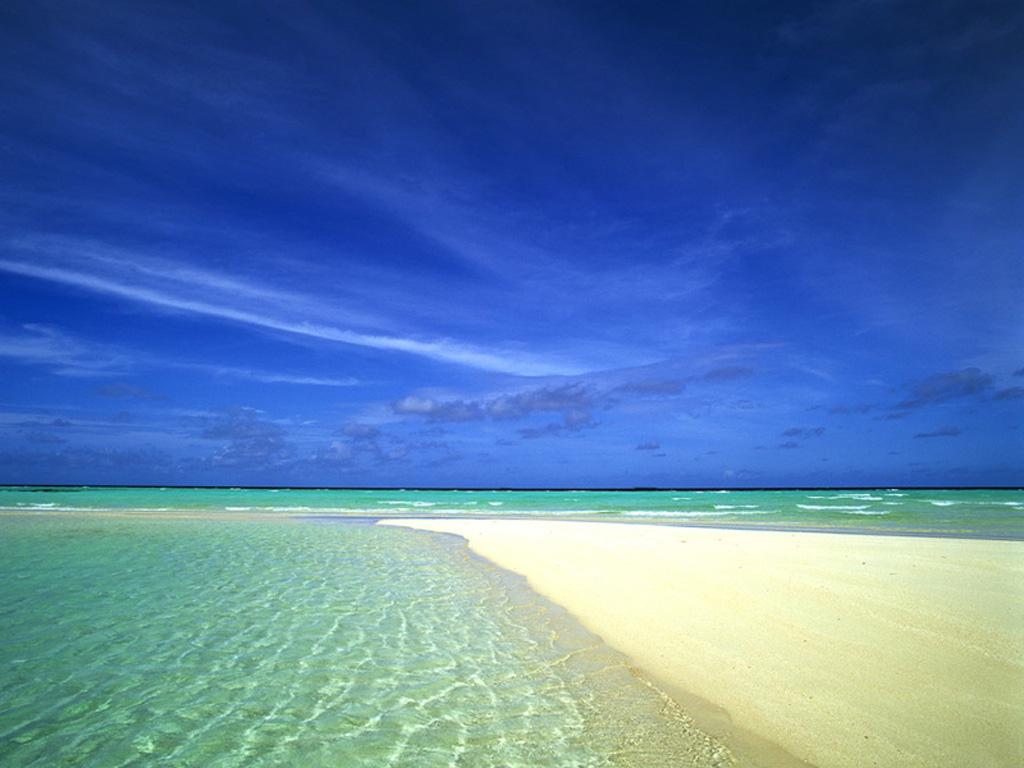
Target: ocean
(986, 513)
(302, 643)
(217, 627)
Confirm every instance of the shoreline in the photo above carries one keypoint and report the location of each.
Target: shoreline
(687, 524)
(374, 517)
(926, 669)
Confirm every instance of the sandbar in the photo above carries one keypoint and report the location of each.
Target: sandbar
(833, 650)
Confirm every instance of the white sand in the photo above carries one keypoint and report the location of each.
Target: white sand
(843, 650)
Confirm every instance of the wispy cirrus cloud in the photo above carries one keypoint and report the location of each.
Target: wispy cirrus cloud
(267, 377)
(178, 288)
(123, 391)
(39, 344)
(67, 355)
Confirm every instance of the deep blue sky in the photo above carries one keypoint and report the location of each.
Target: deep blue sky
(512, 244)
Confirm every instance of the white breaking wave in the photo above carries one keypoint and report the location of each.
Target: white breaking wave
(55, 508)
(675, 513)
(837, 507)
(735, 506)
(940, 503)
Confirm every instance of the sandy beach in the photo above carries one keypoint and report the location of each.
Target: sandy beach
(833, 650)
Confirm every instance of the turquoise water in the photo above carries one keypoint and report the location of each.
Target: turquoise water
(997, 513)
(249, 641)
(222, 627)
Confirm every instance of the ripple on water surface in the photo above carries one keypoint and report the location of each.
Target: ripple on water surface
(230, 643)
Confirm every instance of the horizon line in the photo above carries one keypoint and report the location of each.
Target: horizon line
(575, 489)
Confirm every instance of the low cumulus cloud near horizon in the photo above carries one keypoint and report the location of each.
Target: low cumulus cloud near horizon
(573, 402)
(940, 432)
(941, 387)
(971, 384)
(803, 432)
(247, 438)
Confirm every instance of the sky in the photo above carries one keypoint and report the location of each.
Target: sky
(512, 244)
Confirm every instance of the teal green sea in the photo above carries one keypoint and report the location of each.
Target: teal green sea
(279, 627)
(996, 513)
(284, 642)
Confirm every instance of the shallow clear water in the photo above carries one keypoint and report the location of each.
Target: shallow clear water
(255, 642)
(998, 513)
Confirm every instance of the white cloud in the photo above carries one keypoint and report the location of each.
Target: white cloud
(444, 350)
(70, 356)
